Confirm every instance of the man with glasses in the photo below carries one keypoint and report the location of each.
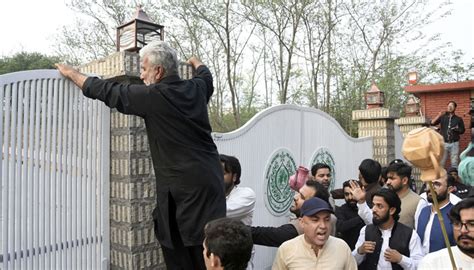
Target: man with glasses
(462, 219)
(427, 224)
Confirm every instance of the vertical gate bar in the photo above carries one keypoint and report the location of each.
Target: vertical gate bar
(42, 181)
(64, 179)
(74, 182)
(93, 174)
(17, 179)
(105, 184)
(11, 176)
(36, 177)
(15, 183)
(18, 176)
(70, 180)
(88, 179)
(47, 180)
(31, 166)
(82, 181)
(59, 176)
(5, 176)
(54, 168)
(24, 175)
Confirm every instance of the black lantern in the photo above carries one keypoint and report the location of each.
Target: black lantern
(134, 35)
(412, 107)
(374, 98)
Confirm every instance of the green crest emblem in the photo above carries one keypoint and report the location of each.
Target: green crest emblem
(322, 155)
(277, 190)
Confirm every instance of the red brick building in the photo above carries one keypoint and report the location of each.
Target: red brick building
(434, 98)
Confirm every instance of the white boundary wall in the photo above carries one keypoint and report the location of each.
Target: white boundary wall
(54, 174)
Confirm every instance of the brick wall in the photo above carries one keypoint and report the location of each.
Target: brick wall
(434, 102)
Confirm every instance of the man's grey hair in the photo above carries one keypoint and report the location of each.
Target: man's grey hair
(160, 53)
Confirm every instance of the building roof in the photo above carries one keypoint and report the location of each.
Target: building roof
(440, 87)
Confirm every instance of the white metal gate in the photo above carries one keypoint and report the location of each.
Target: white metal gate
(54, 174)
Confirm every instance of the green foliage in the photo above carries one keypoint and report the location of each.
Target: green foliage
(323, 54)
(27, 61)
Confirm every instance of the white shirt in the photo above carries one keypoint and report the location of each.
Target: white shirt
(440, 260)
(241, 204)
(366, 215)
(416, 253)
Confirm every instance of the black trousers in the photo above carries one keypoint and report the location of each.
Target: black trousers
(180, 257)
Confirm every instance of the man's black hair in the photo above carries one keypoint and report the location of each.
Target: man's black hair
(454, 103)
(321, 191)
(370, 170)
(317, 166)
(401, 169)
(392, 199)
(231, 165)
(231, 241)
(454, 214)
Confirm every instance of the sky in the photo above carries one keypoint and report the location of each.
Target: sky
(30, 25)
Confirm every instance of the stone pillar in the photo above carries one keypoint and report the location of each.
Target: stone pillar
(133, 243)
(378, 123)
(132, 183)
(406, 125)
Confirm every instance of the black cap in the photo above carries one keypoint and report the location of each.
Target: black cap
(313, 206)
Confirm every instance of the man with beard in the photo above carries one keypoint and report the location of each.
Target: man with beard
(240, 201)
(275, 236)
(398, 180)
(322, 173)
(315, 249)
(427, 223)
(451, 126)
(462, 218)
(387, 243)
(348, 223)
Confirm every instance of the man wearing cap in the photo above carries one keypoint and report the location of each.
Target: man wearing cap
(275, 236)
(462, 218)
(387, 243)
(451, 126)
(315, 248)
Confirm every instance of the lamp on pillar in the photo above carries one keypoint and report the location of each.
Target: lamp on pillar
(412, 107)
(374, 98)
(413, 77)
(134, 35)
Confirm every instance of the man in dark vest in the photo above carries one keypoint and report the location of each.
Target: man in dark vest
(387, 243)
(427, 223)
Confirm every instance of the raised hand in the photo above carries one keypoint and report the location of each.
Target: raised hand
(358, 192)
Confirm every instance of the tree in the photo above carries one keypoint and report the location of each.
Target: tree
(27, 61)
(282, 20)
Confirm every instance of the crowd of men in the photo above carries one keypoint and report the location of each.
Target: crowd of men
(386, 226)
(203, 218)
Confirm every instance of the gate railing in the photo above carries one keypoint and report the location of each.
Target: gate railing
(54, 174)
